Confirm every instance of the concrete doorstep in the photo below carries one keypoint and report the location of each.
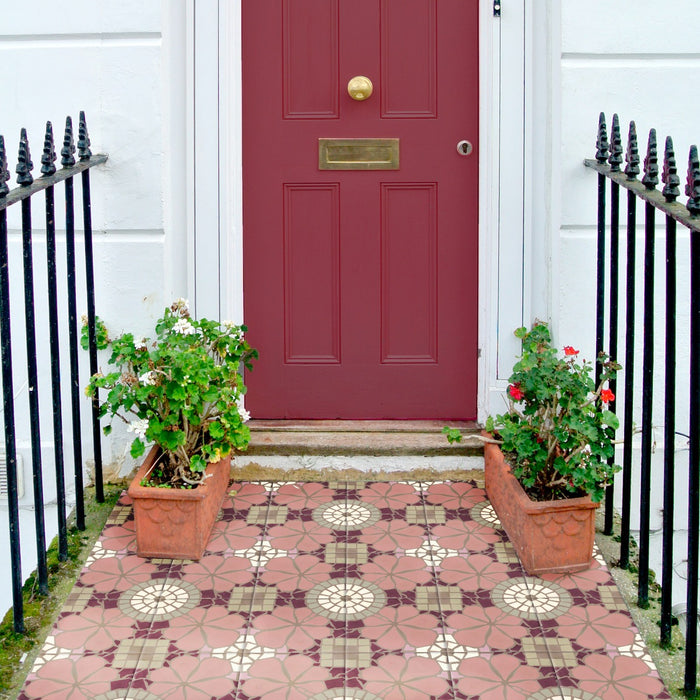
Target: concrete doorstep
(376, 445)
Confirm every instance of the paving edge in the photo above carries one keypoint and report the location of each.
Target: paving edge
(669, 663)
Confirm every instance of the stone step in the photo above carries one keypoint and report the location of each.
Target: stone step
(361, 437)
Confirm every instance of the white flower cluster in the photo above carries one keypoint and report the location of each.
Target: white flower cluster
(150, 378)
(182, 306)
(138, 427)
(245, 415)
(141, 344)
(231, 326)
(184, 327)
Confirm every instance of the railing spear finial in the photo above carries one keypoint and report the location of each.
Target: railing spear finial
(632, 155)
(4, 172)
(83, 139)
(601, 143)
(692, 185)
(615, 146)
(669, 175)
(67, 157)
(48, 157)
(651, 163)
(24, 161)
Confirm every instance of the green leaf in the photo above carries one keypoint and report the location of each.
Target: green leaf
(216, 430)
(197, 464)
(137, 448)
(609, 418)
(175, 391)
(453, 434)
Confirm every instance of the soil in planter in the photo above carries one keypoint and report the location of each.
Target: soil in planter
(541, 492)
(166, 475)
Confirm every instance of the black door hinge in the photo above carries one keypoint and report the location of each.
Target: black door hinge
(496, 8)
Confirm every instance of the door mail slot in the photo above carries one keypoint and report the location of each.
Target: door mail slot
(358, 154)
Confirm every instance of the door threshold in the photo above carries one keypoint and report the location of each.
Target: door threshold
(362, 426)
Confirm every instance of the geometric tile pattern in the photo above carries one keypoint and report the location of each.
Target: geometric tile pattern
(341, 590)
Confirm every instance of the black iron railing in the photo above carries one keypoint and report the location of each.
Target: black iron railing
(608, 165)
(28, 187)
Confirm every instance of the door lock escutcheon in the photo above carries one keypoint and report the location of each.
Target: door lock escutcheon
(464, 148)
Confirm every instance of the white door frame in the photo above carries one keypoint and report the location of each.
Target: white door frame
(518, 65)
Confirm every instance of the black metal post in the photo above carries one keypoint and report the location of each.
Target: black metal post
(68, 160)
(670, 193)
(650, 180)
(615, 160)
(24, 178)
(631, 170)
(691, 636)
(601, 156)
(48, 168)
(9, 409)
(85, 153)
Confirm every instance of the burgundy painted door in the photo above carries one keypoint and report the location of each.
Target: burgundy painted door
(360, 286)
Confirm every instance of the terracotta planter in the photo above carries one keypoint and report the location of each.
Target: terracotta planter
(176, 523)
(549, 536)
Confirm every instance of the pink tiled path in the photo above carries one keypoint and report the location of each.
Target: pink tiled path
(352, 590)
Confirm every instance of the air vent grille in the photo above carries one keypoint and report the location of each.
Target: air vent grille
(3, 476)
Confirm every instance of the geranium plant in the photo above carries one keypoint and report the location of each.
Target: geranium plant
(558, 432)
(181, 390)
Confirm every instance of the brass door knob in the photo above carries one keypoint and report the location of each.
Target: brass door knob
(360, 88)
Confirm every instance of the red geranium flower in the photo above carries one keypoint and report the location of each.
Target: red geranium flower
(515, 392)
(607, 396)
(568, 350)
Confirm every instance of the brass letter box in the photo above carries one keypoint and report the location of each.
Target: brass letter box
(358, 154)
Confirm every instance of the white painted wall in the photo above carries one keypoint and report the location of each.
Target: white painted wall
(638, 59)
(124, 64)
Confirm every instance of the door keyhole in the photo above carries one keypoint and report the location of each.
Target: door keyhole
(464, 148)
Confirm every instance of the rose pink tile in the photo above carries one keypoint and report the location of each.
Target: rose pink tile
(617, 676)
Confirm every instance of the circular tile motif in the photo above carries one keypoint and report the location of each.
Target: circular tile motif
(484, 514)
(159, 600)
(243, 654)
(562, 694)
(346, 599)
(447, 652)
(50, 652)
(531, 598)
(131, 694)
(345, 694)
(276, 485)
(346, 515)
(637, 650)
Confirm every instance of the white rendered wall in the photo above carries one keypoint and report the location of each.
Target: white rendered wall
(113, 60)
(638, 59)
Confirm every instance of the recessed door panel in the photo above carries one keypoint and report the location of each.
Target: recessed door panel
(409, 273)
(409, 58)
(310, 58)
(311, 283)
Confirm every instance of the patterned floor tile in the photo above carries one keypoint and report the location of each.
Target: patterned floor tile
(347, 590)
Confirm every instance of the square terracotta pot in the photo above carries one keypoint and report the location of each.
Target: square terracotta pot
(548, 536)
(177, 523)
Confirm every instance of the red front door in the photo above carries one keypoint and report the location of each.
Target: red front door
(360, 285)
